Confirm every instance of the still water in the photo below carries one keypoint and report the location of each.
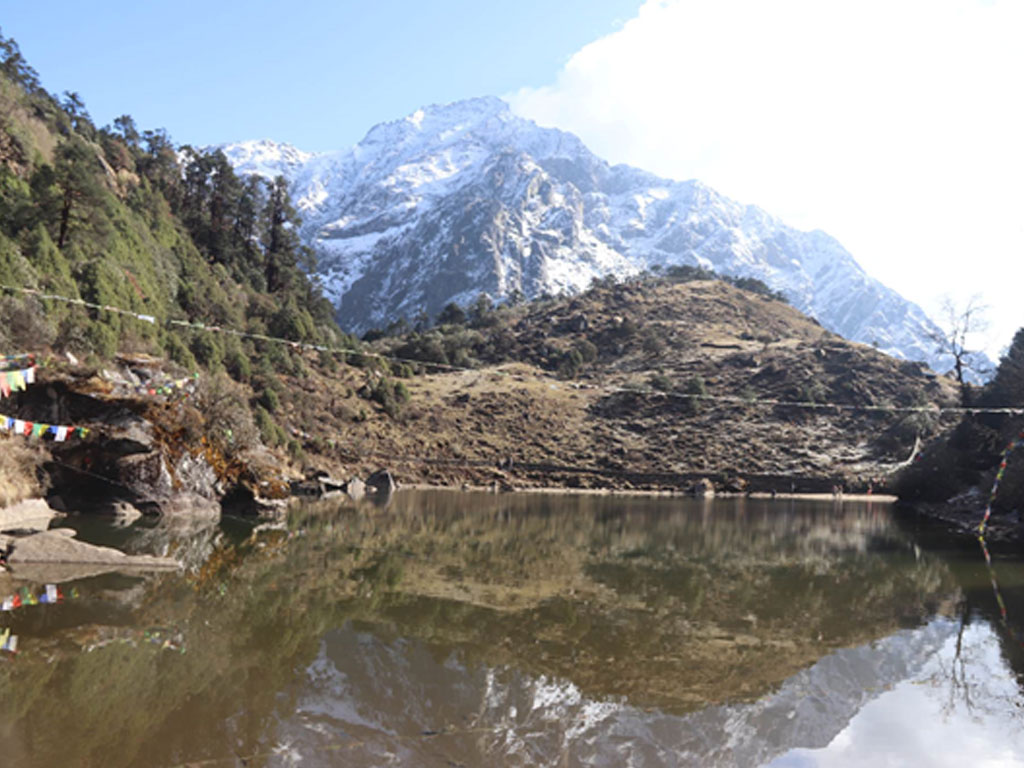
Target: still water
(450, 629)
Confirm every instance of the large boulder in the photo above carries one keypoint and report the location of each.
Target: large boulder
(382, 483)
(31, 514)
(55, 555)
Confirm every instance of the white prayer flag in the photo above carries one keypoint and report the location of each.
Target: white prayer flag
(30, 375)
(19, 427)
(62, 434)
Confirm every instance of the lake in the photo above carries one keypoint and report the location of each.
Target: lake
(470, 629)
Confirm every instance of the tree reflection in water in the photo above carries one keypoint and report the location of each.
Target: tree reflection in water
(576, 627)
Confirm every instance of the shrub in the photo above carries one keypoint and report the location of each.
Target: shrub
(651, 341)
(696, 388)
(23, 322)
(327, 361)
(571, 364)
(102, 340)
(452, 314)
(269, 400)
(391, 395)
(228, 420)
(237, 364)
(178, 352)
(660, 382)
(587, 350)
(207, 351)
(271, 433)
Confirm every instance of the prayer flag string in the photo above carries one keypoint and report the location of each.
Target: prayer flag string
(728, 399)
(982, 526)
(59, 432)
(1016, 443)
(6, 359)
(16, 380)
(1003, 614)
(24, 597)
(165, 639)
(50, 595)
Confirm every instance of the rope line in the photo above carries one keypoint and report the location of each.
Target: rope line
(1016, 443)
(725, 399)
(1003, 613)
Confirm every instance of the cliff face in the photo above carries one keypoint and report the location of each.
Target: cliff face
(153, 451)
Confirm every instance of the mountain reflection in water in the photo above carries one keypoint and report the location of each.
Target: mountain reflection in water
(472, 629)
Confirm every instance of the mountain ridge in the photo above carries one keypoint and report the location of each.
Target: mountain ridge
(467, 198)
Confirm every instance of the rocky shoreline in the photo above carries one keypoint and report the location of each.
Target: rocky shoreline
(29, 547)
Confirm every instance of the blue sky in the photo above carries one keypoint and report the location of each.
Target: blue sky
(314, 74)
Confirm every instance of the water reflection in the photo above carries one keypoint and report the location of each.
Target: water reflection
(458, 629)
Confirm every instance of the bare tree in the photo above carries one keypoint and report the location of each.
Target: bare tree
(953, 337)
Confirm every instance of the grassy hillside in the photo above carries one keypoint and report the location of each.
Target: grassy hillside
(619, 387)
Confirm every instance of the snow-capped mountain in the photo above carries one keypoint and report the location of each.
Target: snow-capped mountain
(465, 198)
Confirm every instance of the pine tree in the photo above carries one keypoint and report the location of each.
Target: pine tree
(75, 177)
(222, 207)
(246, 231)
(1007, 387)
(281, 239)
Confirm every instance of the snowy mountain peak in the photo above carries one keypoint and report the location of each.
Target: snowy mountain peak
(459, 199)
(265, 157)
(440, 122)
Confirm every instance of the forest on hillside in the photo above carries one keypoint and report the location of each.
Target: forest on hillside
(119, 216)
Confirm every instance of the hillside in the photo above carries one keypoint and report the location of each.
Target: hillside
(139, 239)
(615, 388)
(464, 198)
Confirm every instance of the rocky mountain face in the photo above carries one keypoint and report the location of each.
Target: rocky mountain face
(466, 198)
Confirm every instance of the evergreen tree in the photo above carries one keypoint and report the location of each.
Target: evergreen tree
(75, 109)
(15, 68)
(246, 232)
(222, 210)
(1007, 387)
(159, 164)
(281, 239)
(125, 127)
(75, 177)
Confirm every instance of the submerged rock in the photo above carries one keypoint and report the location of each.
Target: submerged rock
(59, 545)
(31, 514)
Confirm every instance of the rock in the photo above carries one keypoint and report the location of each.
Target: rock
(59, 547)
(31, 514)
(124, 514)
(703, 488)
(190, 505)
(355, 488)
(382, 483)
(306, 488)
(736, 485)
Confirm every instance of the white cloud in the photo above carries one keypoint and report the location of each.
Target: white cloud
(895, 125)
